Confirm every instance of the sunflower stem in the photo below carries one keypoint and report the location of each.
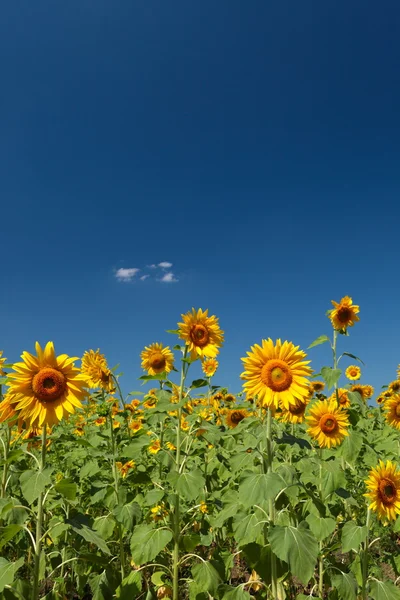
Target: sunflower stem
(5, 466)
(271, 503)
(321, 556)
(39, 522)
(116, 488)
(335, 362)
(176, 517)
(365, 559)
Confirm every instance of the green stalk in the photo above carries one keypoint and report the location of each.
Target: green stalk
(271, 503)
(116, 489)
(335, 362)
(365, 559)
(176, 516)
(5, 466)
(321, 558)
(39, 522)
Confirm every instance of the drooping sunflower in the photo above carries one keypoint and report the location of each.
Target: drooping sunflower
(276, 373)
(317, 386)
(327, 423)
(229, 398)
(46, 388)
(394, 386)
(344, 400)
(383, 486)
(360, 389)
(125, 468)
(353, 373)
(344, 314)
(209, 366)
(157, 359)
(234, 417)
(95, 370)
(295, 413)
(392, 411)
(2, 361)
(201, 333)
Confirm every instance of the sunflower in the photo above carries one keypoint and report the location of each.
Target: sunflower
(203, 507)
(150, 402)
(383, 486)
(7, 410)
(368, 391)
(394, 386)
(234, 417)
(230, 398)
(100, 421)
(328, 423)
(358, 388)
(95, 370)
(295, 412)
(276, 373)
(125, 468)
(45, 388)
(353, 372)
(154, 447)
(317, 386)
(344, 400)
(344, 314)
(209, 366)
(157, 359)
(2, 361)
(380, 399)
(392, 410)
(170, 446)
(202, 334)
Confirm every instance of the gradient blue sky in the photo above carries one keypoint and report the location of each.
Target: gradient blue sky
(253, 145)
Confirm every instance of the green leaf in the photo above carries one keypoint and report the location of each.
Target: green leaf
(104, 526)
(130, 587)
(8, 570)
(67, 488)
(346, 585)
(320, 340)
(330, 376)
(206, 577)
(79, 523)
(147, 542)
(380, 590)
(189, 484)
(351, 447)
(128, 514)
(246, 528)
(7, 533)
(236, 594)
(352, 536)
(258, 487)
(175, 331)
(158, 377)
(89, 469)
(296, 546)
(33, 483)
(198, 383)
(333, 478)
(352, 356)
(321, 527)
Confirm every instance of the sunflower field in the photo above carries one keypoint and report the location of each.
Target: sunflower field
(288, 490)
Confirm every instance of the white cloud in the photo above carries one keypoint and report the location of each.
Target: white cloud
(143, 277)
(168, 278)
(165, 265)
(152, 266)
(126, 274)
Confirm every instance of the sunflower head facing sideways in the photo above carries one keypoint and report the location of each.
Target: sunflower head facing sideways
(295, 413)
(383, 486)
(344, 400)
(46, 388)
(327, 423)
(157, 359)
(392, 411)
(201, 333)
(276, 373)
(344, 314)
(234, 417)
(95, 370)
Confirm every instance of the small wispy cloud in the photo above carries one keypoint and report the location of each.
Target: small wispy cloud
(165, 265)
(168, 278)
(143, 277)
(126, 274)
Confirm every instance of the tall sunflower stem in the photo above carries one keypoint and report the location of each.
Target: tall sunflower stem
(116, 488)
(39, 522)
(335, 362)
(271, 503)
(176, 515)
(365, 559)
(5, 466)
(321, 556)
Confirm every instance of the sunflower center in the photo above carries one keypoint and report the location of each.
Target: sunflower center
(199, 335)
(387, 491)
(344, 315)
(297, 409)
(276, 375)
(397, 410)
(49, 384)
(328, 423)
(158, 361)
(236, 417)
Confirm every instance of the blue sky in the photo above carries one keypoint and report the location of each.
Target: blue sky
(254, 146)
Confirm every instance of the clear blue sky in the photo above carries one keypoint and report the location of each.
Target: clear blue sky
(253, 145)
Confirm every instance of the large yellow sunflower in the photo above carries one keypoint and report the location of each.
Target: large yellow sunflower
(327, 423)
(353, 373)
(202, 334)
(234, 417)
(344, 313)
(383, 486)
(295, 413)
(95, 370)
(276, 373)
(45, 388)
(392, 411)
(2, 361)
(209, 366)
(344, 400)
(157, 359)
